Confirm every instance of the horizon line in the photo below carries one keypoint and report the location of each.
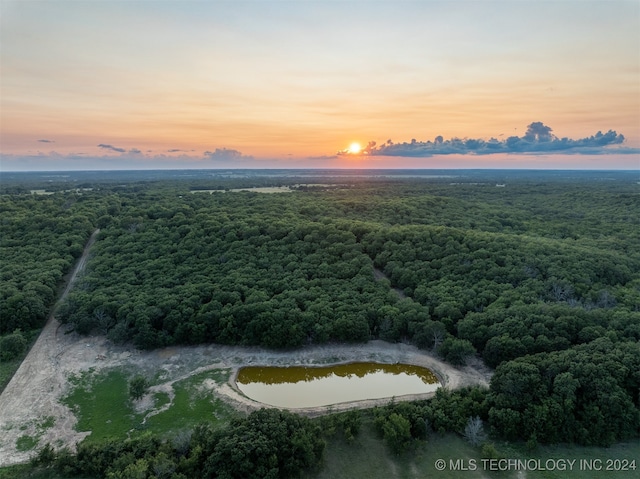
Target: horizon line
(320, 169)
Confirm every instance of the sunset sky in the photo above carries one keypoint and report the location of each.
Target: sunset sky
(293, 84)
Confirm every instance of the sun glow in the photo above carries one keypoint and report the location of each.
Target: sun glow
(354, 148)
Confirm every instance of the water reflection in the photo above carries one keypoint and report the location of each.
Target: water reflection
(300, 386)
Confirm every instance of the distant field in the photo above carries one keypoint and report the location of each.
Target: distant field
(369, 457)
(257, 189)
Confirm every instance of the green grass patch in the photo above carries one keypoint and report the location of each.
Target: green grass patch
(102, 405)
(7, 370)
(25, 471)
(369, 457)
(590, 462)
(17, 472)
(160, 399)
(192, 404)
(47, 422)
(26, 443)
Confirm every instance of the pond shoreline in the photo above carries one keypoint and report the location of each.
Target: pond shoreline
(377, 351)
(58, 355)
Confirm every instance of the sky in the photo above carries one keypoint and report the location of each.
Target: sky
(319, 84)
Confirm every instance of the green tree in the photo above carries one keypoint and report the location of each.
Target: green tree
(137, 470)
(12, 345)
(267, 444)
(456, 351)
(138, 387)
(397, 433)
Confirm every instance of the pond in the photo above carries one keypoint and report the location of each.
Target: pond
(305, 386)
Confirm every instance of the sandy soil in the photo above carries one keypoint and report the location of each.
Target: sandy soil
(33, 396)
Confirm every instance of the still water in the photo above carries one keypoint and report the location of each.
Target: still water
(300, 386)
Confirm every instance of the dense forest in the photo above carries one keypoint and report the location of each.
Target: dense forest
(539, 276)
(42, 236)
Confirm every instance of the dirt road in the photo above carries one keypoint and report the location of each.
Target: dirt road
(31, 397)
(30, 405)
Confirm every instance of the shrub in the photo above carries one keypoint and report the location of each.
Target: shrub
(138, 387)
(12, 345)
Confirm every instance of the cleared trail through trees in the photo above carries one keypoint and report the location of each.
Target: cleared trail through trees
(79, 267)
(32, 396)
(379, 275)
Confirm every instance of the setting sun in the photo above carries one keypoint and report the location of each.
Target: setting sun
(354, 148)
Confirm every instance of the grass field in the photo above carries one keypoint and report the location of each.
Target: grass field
(7, 370)
(191, 405)
(369, 457)
(102, 405)
(25, 471)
